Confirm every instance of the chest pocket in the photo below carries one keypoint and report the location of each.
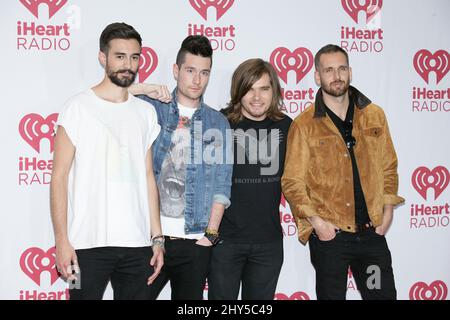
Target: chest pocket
(320, 144)
(374, 132)
(324, 149)
(212, 151)
(212, 142)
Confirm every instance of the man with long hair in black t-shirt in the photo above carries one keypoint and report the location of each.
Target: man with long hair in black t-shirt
(251, 252)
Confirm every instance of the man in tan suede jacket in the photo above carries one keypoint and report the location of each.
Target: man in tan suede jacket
(341, 183)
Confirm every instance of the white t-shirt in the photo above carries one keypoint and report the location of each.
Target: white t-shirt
(107, 191)
(172, 178)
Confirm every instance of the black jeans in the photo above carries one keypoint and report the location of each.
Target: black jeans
(256, 265)
(186, 266)
(369, 258)
(127, 268)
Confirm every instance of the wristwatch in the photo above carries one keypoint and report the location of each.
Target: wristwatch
(213, 238)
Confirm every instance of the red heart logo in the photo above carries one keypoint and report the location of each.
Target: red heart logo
(33, 128)
(201, 6)
(370, 7)
(349, 273)
(53, 6)
(300, 61)
(34, 261)
(437, 290)
(425, 62)
(147, 64)
(422, 179)
(295, 296)
(283, 201)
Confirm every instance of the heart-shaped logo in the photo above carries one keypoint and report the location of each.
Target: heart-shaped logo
(300, 61)
(202, 6)
(33, 128)
(53, 6)
(283, 201)
(426, 62)
(147, 64)
(295, 296)
(34, 261)
(370, 7)
(424, 178)
(437, 290)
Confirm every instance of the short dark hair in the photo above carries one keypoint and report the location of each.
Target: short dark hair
(329, 48)
(117, 30)
(197, 45)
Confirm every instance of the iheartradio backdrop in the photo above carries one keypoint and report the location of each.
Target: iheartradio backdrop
(399, 51)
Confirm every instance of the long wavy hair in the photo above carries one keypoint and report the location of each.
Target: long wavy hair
(244, 77)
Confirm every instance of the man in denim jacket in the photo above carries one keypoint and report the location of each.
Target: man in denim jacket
(193, 167)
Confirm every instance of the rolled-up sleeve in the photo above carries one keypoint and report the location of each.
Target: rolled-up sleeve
(222, 191)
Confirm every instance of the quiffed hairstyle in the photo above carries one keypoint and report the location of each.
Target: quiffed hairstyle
(117, 30)
(196, 45)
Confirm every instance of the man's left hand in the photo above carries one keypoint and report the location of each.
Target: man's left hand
(156, 262)
(387, 219)
(204, 242)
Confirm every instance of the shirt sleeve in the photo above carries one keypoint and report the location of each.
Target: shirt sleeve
(69, 119)
(154, 127)
(390, 164)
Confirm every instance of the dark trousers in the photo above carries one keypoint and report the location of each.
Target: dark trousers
(127, 268)
(256, 265)
(369, 258)
(186, 266)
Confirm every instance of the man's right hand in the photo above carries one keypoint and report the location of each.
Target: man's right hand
(66, 261)
(154, 91)
(325, 230)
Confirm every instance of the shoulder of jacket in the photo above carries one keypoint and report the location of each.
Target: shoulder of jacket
(306, 117)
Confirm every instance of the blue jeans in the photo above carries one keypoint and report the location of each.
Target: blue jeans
(257, 266)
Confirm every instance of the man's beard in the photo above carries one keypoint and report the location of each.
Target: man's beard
(336, 92)
(124, 82)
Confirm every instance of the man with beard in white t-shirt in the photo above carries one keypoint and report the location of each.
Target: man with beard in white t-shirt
(104, 198)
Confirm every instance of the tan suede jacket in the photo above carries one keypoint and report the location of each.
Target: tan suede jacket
(318, 178)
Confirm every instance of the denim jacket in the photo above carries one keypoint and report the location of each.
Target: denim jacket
(208, 178)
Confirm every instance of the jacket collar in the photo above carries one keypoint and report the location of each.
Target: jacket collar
(360, 100)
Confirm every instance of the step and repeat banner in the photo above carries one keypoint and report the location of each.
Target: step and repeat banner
(400, 54)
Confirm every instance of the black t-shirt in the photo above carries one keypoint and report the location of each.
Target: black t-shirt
(254, 214)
